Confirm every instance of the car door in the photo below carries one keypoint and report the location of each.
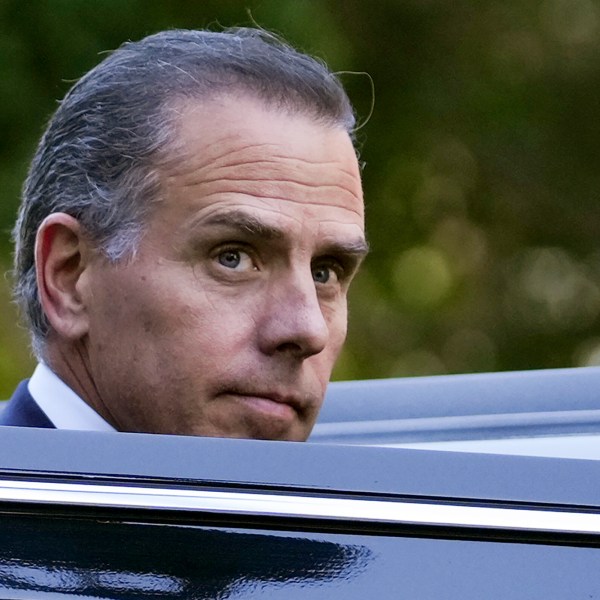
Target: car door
(135, 516)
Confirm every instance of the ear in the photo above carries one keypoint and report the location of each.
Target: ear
(61, 257)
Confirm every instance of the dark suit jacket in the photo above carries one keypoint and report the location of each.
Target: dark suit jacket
(22, 410)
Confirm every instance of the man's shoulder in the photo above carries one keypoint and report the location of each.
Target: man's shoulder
(22, 410)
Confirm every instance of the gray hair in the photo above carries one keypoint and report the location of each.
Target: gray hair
(98, 159)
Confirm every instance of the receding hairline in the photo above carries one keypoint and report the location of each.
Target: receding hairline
(178, 107)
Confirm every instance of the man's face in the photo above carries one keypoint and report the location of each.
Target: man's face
(229, 318)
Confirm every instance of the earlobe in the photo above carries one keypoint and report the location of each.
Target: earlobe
(61, 257)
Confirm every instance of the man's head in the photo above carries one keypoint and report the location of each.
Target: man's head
(190, 225)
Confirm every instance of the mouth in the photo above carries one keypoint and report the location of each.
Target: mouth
(269, 403)
(269, 407)
(270, 413)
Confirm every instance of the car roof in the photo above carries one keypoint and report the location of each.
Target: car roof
(559, 403)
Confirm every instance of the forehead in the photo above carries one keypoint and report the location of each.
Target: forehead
(232, 147)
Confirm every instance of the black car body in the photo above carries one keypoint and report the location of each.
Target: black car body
(95, 515)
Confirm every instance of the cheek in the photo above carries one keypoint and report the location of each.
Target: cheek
(191, 332)
(337, 320)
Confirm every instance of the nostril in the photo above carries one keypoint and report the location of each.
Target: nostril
(292, 322)
(292, 348)
(288, 346)
(294, 335)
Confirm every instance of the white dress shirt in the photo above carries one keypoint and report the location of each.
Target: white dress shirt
(61, 404)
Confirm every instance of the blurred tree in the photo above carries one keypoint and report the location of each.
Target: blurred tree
(481, 177)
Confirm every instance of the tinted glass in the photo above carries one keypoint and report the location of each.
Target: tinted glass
(47, 556)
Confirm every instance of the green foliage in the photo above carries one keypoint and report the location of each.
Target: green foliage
(481, 176)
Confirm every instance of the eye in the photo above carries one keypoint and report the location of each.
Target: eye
(327, 272)
(235, 259)
(230, 259)
(321, 274)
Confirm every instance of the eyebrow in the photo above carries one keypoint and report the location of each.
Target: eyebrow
(242, 221)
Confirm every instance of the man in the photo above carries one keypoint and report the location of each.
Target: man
(189, 228)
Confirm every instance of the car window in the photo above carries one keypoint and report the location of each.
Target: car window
(107, 557)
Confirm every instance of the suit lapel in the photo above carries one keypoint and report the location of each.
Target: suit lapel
(22, 410)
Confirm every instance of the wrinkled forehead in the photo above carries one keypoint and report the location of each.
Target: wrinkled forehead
(243, 140)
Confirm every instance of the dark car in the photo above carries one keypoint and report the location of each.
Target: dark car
(98, 515)
(535, 413)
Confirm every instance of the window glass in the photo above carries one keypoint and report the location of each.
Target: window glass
(47, 556)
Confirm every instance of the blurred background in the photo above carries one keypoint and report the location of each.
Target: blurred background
(481, 175)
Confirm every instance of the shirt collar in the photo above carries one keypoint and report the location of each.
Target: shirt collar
(61, 404)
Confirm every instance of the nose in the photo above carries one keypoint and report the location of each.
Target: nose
(293, 322)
